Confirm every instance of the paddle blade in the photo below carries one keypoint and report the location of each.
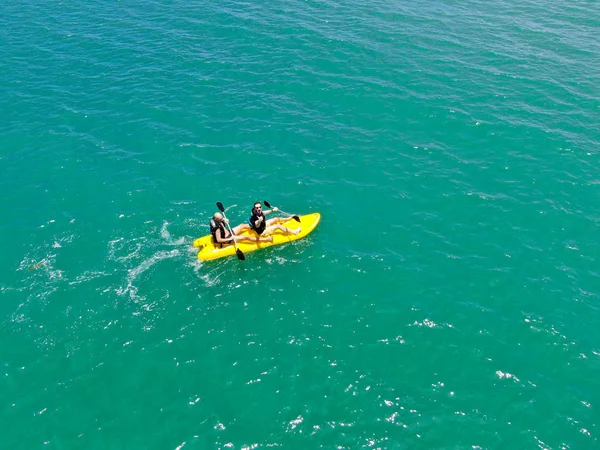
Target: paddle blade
(267, 204)
(220, 206)
(240, 255)
(296, 218)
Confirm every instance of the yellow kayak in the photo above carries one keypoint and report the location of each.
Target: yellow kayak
(209, 251)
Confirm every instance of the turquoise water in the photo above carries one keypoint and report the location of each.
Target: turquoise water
(448, 299)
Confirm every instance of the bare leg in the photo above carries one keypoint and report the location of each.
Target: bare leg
(286, 230)
(254, 239)
(275, 223)
(244, 226)
(241, 227)
(275, 220)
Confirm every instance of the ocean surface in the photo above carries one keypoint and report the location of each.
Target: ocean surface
(449, 298)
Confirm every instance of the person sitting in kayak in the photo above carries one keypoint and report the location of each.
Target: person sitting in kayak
(221, 234)
(259, 223)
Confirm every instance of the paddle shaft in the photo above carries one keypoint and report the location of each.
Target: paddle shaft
(296, 218)
(238, 252)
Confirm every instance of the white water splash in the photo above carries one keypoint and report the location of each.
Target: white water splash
(130, 288)
(164, 233)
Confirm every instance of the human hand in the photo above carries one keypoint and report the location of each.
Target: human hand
(275, 208)
(226, 220)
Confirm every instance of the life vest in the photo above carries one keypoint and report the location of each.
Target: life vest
(253, 219)
(214, 226)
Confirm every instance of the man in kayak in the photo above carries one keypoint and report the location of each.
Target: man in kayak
(259, 223)
(221, 234)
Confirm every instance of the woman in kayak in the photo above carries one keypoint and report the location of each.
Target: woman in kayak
(263, 226)
(221, 234)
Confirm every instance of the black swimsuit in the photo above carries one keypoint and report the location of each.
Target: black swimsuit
(252, 220)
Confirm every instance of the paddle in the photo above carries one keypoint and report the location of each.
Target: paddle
(238, 252)
(295, 217)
